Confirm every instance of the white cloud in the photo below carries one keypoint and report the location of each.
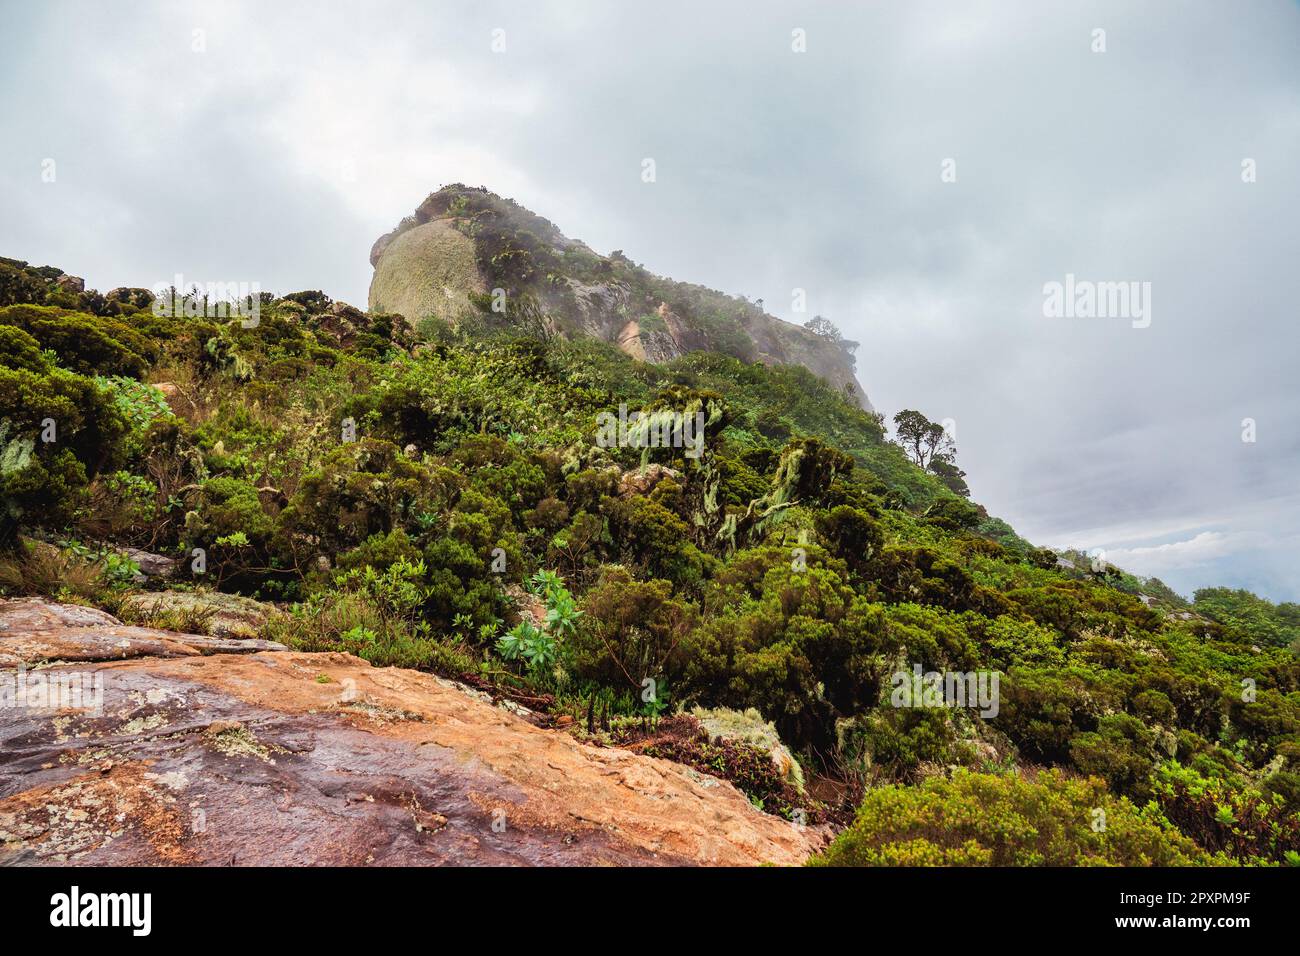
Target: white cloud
(1162, 558)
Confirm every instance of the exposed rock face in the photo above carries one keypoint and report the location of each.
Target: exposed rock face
(431, 263)
(428, 270)
(152, 566)
(34, 631)
(288, 758)
(222, 615)
(641, 481)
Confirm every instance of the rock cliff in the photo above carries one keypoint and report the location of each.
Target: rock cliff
(468, 253)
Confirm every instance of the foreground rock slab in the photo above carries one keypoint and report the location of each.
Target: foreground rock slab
(284, 758)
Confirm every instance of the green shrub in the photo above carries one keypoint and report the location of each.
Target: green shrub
(896, 742)
(632, 630)
(1121, 751)
(85, 344)
(43, 482)
(851, 534)
(803, 652)
(1225, 813)
(1254, 618)
(654, 539)
(362, 488)
(976, 819)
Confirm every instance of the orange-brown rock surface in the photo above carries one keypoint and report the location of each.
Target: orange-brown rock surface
(203, 756)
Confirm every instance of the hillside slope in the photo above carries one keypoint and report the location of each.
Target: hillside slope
(439, 499)
(462, 243)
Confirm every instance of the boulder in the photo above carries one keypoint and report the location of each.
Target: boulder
(153, 567)
(531, 607)
(641, 481)
(427, 270)
(748, 726)
(175, 398)
(34, 631)
(211, 612)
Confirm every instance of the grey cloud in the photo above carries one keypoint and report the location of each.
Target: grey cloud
(775, 170)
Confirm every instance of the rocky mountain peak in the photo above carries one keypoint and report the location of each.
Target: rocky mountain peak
(467, 253)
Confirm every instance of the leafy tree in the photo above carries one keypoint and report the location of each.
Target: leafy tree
(952, 476)
(819, 325)
(922, 439)
(632, 630)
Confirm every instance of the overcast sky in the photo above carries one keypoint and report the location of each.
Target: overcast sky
(275, 145)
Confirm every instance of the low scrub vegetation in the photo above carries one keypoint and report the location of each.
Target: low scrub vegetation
(440, 502)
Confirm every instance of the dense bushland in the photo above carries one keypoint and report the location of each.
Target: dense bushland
(440, 501)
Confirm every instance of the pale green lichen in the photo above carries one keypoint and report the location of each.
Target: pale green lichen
(428, 270)
(233, 739)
